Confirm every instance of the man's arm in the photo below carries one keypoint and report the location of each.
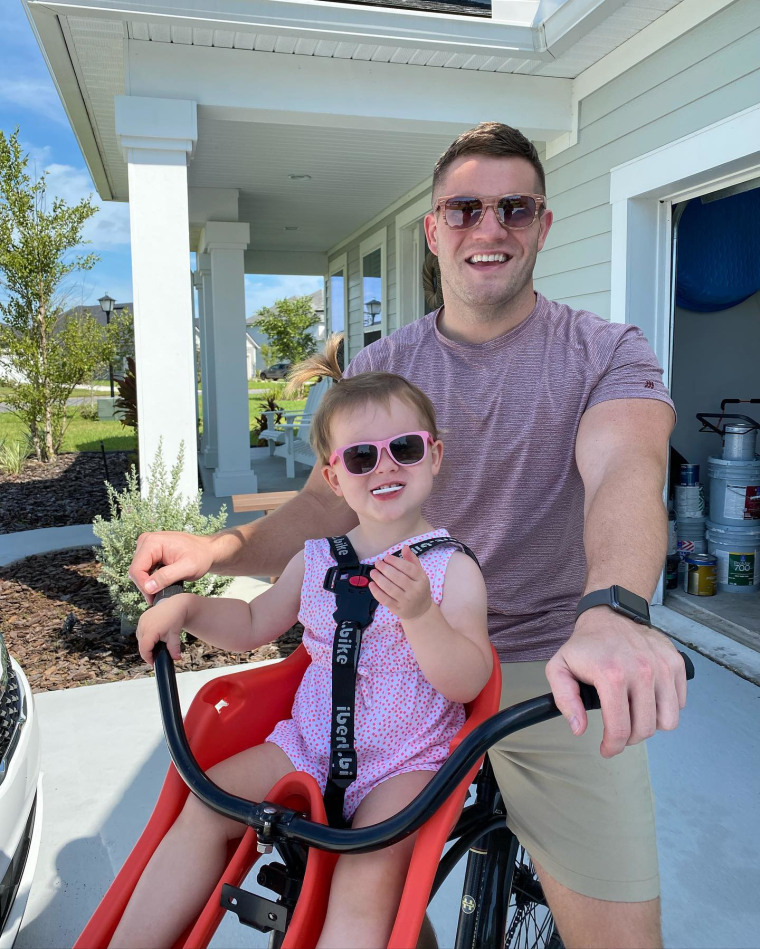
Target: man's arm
(260, 548)
(621, 452)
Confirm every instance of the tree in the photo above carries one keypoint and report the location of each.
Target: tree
(46, 352)
(287, 325)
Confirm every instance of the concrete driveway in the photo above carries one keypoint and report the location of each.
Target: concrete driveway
(104, 760)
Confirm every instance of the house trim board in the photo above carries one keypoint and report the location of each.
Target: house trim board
(409, 257)
(323, 20)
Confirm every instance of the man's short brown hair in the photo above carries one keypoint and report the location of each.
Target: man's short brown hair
(490, 138)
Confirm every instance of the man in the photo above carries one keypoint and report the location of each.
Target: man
(556, 427)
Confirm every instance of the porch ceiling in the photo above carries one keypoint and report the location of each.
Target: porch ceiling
(354, 175)
(396, 86)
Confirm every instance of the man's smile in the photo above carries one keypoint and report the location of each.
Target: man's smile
(487, 259)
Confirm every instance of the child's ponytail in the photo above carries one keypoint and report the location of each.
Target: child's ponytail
(326, 363)
(364, 390)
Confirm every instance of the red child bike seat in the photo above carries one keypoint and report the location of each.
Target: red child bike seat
(235, 712)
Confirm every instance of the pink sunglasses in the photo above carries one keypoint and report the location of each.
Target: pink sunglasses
(362, 458)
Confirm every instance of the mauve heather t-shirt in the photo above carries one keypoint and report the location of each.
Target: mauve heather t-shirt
(508, 412)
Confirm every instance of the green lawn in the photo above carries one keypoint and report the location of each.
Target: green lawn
(81, 434)
(86, 434)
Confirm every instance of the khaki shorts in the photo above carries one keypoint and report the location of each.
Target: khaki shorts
(587, 820)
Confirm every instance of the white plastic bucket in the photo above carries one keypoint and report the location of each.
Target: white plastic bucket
(734, 491)
(739, 442)
(691, 535)
(738, 553)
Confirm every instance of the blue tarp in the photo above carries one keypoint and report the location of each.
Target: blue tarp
(718, 252)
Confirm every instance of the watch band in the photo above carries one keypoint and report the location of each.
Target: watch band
(620, 600)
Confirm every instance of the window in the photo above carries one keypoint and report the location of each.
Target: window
(374, 302)
(336, 297)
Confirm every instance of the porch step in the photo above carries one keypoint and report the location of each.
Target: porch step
(735, 615)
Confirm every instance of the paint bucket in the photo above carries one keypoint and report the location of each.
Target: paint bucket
(738, 553)
(734, 491)
(691, 535)
(700, 577)
(689, 500)
(739, 442)
(689, 475)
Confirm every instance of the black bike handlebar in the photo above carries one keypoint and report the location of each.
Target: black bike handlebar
(273, 822)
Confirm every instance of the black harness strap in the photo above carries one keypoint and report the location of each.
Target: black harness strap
(355, 610)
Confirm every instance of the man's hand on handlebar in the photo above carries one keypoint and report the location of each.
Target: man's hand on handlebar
(165, 557)
(636, 670)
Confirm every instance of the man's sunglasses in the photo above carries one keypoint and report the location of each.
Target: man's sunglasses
(513, 211)
(362, 459)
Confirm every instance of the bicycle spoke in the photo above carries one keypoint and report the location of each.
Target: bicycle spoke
(530, 924)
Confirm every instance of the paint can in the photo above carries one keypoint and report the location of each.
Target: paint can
(738, 553)
(734, 491)
(689, 475)
(691, 535)
(701, 576)
(671, 571)
(739, 442)
(689, 500)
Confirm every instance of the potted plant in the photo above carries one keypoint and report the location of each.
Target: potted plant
(132, 514)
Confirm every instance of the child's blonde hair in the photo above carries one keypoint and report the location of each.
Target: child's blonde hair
(366, 388)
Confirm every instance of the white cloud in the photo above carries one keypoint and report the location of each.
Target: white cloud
(263, 290)
(110, 226)
(33, 95)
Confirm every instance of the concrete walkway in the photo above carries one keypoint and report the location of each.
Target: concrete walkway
(104, 760)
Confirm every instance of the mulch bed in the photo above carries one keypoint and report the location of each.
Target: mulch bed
(69, 490)
(55, 617)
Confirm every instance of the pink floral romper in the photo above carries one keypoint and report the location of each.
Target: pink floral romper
(402, 723)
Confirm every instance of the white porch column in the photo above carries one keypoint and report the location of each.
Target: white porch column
(225, 243)
(209, 453)
(156, 136)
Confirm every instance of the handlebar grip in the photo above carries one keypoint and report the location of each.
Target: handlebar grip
(590, 697)
(171, 590)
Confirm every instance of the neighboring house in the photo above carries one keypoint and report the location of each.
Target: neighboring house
(299, 138)
(95, 312)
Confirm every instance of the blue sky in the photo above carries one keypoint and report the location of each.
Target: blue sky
(28, 99)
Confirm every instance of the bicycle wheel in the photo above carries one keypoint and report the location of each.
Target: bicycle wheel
(529, 920)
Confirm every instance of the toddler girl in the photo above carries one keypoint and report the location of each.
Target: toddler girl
(425, 653)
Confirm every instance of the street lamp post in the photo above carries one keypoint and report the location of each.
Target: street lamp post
(106, 305)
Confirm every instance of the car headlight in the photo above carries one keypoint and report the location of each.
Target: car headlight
(12, 710)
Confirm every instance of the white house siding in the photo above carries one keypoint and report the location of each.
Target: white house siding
(701, 78)
(704, 76)
(355, 316)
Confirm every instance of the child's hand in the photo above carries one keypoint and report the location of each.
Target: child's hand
(402, 585)
(162, 622)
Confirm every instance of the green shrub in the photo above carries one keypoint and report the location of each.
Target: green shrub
(267, 403)
(13, 455)
(160, 510)
(88, 411)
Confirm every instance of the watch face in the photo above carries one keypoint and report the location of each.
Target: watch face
(632, 602)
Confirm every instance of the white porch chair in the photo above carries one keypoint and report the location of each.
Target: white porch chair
(282, 436)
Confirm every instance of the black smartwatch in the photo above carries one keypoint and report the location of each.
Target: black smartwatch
(620, 600)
